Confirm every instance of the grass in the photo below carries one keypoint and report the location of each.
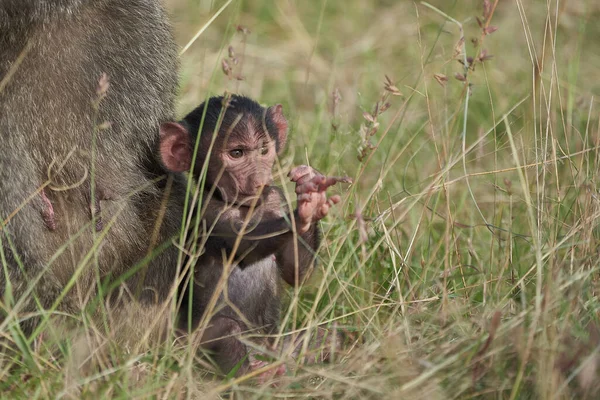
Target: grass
(465, 255)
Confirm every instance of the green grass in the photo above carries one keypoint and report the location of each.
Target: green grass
(465, 255)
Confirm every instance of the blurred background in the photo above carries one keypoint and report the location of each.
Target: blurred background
(326, 62)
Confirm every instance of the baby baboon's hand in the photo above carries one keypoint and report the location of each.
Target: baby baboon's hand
(311, 187)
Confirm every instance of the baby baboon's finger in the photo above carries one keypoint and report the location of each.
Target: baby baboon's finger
(324, 210)
(334, 200)
(332, 180)
(308, 187)
(304, 197)
(343, 179)
(301, 171)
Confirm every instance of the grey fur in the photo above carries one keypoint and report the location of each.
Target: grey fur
(46, 113)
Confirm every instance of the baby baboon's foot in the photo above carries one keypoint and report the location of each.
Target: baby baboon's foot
(270, 373)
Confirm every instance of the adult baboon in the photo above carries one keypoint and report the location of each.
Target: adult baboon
(84, 86)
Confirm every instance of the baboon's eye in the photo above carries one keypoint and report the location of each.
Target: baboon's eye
(236, 153)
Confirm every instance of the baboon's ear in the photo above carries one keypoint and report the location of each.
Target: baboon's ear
(175, 147)
(276, 114)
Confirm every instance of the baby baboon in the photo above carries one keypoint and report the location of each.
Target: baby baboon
(249, 234)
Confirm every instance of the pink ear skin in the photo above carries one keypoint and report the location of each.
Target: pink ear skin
(175, 147)
(281, 123)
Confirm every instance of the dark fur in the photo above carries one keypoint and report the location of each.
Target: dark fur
(46, 112)
(237, 104)
(253, 286)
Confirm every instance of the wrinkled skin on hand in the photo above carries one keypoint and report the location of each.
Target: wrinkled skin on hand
(311, 188)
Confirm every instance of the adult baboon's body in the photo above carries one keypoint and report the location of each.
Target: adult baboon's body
(52, 55)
